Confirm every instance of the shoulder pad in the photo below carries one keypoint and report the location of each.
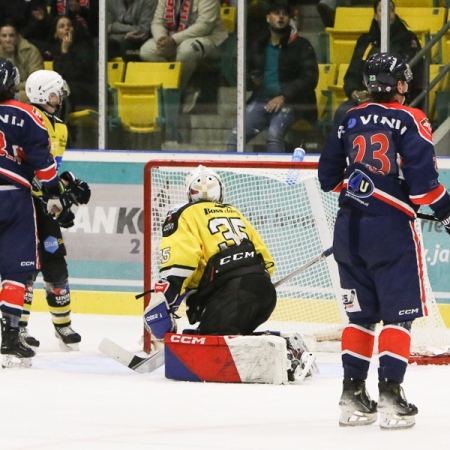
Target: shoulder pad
(170, 224)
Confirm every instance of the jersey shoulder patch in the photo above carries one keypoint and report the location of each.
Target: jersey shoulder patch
(170, 224)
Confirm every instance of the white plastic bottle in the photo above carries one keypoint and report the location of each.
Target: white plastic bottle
(297, 156)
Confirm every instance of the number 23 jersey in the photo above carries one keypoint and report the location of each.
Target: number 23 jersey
(196, 231)
(381, 159)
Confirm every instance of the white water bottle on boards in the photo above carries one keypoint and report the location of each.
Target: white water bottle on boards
(297, 156)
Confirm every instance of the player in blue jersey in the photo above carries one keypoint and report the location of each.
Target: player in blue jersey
(381, 159)
(25, 154)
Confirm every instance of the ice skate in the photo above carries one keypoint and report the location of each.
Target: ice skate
(14, 352)
(302, 361)
(395, 411)
(27, 338)
(357, 408)
(68, 338)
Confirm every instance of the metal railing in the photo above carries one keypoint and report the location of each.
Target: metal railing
(426, 51)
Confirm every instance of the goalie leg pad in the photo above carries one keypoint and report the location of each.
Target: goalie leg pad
(157, 317)
(227, 359)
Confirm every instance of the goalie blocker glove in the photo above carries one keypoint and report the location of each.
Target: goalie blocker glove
(160, 314)
(78, 189)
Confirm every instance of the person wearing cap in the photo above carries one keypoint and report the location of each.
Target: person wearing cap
(283, 73)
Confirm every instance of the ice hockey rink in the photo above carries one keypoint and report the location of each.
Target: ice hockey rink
(84, 400)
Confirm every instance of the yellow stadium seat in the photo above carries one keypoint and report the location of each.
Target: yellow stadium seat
(337, 90)
(327, 77)
(84, 118)
(350, 23)
(116, 72)
(140, 98)
(228, 15)
(48, 65)
(137, 107)
(425, 23)
(443, 85)
(166, 74)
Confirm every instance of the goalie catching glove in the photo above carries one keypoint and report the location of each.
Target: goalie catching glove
(78, 189)
(58, 203)
(160, 314)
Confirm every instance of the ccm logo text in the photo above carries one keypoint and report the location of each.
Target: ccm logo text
(408, 311)
(187, 339)
(236, 257)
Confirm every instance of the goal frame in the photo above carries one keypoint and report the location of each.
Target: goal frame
(226, 164)
(191, 163)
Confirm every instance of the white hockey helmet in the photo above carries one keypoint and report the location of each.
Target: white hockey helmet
(204, 184)
(42, 83)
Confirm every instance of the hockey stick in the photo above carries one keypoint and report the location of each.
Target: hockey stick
(130, 360)
(301, 269)
(427, 217)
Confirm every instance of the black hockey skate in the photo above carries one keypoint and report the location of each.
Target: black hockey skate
(68, 338)
(27, 338)
(14, 351)
(395, 411)
(356, 406)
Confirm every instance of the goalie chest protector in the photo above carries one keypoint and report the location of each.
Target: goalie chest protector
(226, 359)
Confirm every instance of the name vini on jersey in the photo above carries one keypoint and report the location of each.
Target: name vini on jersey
(5, 119)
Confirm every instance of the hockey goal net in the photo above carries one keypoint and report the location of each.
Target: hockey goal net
(295, 218)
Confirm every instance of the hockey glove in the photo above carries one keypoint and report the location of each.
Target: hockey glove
(444, 216)
(158, 319)
(58, 201)
(67, 220)
(77, 188)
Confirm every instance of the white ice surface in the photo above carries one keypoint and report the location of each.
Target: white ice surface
(84, 400)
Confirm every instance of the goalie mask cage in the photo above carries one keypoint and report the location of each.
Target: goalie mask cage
(295, 218)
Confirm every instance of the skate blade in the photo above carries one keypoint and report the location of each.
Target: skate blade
(14, 362)
(396, 422)
(356, 419)
(68, 347)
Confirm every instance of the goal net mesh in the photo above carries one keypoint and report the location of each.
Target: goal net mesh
(295, 218)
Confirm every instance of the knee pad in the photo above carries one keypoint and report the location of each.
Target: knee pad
(55, 272)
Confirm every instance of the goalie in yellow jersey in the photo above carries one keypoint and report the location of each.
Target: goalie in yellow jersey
(216, 261)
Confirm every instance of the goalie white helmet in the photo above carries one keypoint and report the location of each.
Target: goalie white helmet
(204, 184)
(40, 86)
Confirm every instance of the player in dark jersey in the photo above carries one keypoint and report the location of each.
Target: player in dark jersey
(381, 159)
(25, 154)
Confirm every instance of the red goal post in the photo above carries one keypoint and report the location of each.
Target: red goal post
(284, 202)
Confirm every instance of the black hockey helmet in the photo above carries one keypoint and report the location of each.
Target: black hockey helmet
(9, 78)
(382, 71)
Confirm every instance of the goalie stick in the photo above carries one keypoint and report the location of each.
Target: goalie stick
(130, 360)
(329, 251)
(301, 269)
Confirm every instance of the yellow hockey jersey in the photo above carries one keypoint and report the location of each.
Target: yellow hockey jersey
(57, 130)
(195, 232)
